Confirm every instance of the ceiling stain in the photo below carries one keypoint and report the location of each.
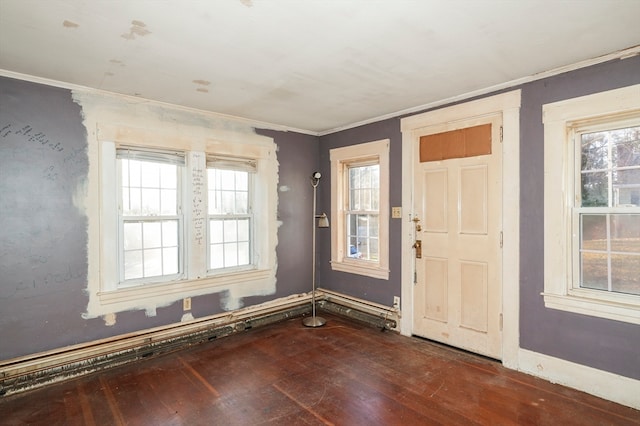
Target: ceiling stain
(248, 3)
(109, 74)
(117, 62)
(138, 28)
(69, 24)
(202, 89)
(202, 82)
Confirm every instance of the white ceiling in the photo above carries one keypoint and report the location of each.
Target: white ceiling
(312, 65)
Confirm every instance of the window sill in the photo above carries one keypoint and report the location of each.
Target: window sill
(369, 271)
(583, 304)
(183, 287)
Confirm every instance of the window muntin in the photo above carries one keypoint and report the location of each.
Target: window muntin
(150, 248)
(607, 207)
(362, 211)
(230, 218)
(150, 225)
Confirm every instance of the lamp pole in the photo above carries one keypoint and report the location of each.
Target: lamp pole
(313, 320)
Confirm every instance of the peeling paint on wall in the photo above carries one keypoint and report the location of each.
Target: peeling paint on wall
(110, 319)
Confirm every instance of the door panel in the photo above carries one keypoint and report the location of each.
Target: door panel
(436, 294)
(473, 200)
(458, 205)
(473, 301)
(436, 198)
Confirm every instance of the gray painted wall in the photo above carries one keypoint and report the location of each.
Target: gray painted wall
(43, 236)
(603, 344)
(375, 290)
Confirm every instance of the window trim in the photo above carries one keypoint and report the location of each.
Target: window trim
(340, 158)
(560, 120)
(105, 298)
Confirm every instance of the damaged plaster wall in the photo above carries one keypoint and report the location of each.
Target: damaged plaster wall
(114, 119)
(46, 210)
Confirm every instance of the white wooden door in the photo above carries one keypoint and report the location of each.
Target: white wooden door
(458, 220)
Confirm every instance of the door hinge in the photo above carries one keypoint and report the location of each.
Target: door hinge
(501, 133)
(501, 322)
(501, 239)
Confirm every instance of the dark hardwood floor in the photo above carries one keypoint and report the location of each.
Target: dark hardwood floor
(285, 374)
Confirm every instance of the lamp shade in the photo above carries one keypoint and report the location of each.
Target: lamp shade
(323, 221)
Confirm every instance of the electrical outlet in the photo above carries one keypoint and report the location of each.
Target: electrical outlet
(186, 304)
(396, 302)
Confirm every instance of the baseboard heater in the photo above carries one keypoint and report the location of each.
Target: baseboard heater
(33, 371)
(373, 314)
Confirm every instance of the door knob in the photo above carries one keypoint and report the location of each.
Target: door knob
(418, 246)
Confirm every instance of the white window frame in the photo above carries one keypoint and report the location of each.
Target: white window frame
(561, 121)
(143, 155)
(106, 296)
(341, 158)
(242, 165)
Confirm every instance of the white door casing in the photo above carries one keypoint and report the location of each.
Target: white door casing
(507, 105)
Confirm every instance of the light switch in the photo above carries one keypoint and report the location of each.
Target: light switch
(396, 212)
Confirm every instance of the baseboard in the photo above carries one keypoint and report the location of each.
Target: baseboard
(374, 314)
(32, 371)
(36, 370)
(613, 387)
(40, 369)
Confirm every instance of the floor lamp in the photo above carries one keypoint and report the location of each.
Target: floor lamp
(323, 222)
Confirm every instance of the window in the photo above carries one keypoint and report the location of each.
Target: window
(359, 179)
(607, 211)
(362, 211)
(592, 205)
(150, 226)
(151, 248)
(176, 217)
(230, 213)
(151, 219)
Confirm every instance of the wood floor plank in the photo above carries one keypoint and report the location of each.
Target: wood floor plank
(344, 373)
(85, 405)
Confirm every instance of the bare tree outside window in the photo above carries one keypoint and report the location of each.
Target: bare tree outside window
(609, 185)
